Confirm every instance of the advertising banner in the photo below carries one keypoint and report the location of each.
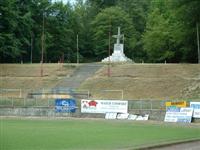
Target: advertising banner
(177, 104)
(184, 115)
(111, 116)
(122, 116)
(138, 117)
(65, 105)
(104, 106)
(196, 107)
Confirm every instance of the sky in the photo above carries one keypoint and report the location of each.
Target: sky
(65, 1)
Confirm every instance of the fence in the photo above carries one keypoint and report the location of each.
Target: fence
(22, 98)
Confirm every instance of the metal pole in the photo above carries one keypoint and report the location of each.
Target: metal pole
(77, 49)
(109, 56)
(31, 49)
(41, 73)
(123, 39)
(20, 93)
(122, 94)
(198, 43)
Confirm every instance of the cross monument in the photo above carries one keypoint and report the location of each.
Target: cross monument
(118, 53)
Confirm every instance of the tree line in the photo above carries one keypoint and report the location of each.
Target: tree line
(155, 30)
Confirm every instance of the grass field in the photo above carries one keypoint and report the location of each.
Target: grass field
(79, 134)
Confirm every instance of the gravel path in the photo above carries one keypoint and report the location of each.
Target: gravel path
(80, 74)
(182, 146)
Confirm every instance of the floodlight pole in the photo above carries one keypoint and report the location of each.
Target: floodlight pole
(198, 43)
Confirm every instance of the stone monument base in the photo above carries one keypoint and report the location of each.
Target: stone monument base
(117, 57)
(118, 53)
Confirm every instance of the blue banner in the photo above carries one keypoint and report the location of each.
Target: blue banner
(65, 105)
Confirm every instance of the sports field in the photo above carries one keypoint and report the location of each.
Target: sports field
(87, 134)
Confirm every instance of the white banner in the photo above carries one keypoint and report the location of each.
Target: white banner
(138, 117)
(111, 116)
(185, 115)
(122, 116)
(104, 106)
(196, 107)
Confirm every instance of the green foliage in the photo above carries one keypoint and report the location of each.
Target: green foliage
(158, 41)
(9, 44)
(169, 36)
(108, 21)
(155, 30)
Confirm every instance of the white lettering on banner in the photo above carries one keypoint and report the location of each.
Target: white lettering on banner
(196, 107)
(104, 106)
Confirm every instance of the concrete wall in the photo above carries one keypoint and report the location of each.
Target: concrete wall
(155, 114)
(31, 112)
(45, 111)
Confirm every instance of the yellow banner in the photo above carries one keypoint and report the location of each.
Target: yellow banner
(177, 104)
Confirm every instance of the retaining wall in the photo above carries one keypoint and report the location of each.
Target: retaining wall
(50, 112)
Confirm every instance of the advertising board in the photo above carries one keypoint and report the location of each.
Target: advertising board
(177, 104)
(104, 106)
(185, 115)
(122, 116)
(111, 116)
(196, 107)
(65, 105)
(138, 117)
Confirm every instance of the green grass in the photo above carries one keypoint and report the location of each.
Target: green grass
(80, 134)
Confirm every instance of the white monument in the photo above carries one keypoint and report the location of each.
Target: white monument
(118, 53)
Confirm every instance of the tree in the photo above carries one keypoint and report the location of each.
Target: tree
(158, 41)
(9, 43)
(84, 14)
(60, 38)
(107, 21)
(188, 14)
(137, 10)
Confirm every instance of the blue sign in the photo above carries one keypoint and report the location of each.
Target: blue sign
(65, 105)
(173, 109)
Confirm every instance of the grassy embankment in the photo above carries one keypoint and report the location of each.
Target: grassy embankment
(137, 81)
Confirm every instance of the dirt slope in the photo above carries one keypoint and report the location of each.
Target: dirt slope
(147, 81)
(137, 81)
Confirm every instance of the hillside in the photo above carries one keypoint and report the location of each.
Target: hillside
(28, 76)
(137, 81)
(146, 81)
